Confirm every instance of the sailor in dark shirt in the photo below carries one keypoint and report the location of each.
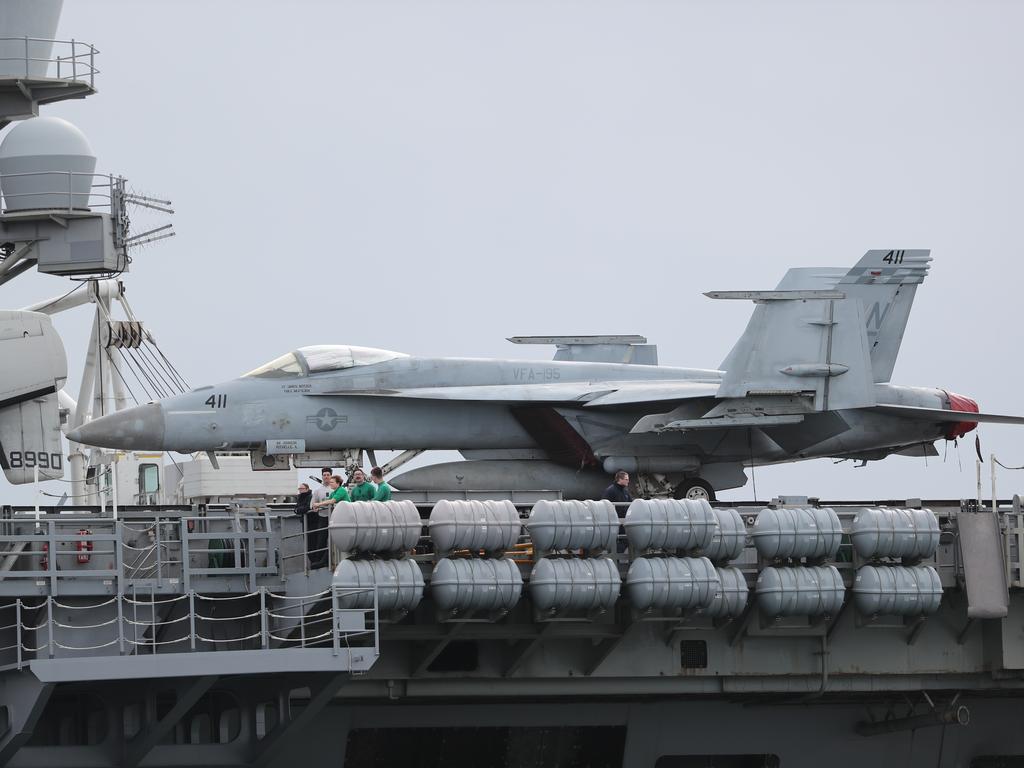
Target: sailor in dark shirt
(303, 499)
(310, 518)
(619, 490)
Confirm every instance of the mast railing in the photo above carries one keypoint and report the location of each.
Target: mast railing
(40, 57)
(64, 191)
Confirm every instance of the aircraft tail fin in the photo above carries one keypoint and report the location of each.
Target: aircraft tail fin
(886, 282)
(30, 440)
(29, 412)
(807, 348)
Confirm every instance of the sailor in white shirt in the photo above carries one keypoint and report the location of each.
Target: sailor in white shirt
(317, 539)
(321, 492)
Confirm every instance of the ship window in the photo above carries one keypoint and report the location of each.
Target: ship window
(327, 357)
(278, 368)
(149, 478)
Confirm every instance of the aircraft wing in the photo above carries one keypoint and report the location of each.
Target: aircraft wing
(940, 414)
(587, 393)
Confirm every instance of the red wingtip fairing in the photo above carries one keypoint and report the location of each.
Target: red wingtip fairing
(960, 403)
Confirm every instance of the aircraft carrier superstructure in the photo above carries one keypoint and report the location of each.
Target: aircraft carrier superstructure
(162, 617)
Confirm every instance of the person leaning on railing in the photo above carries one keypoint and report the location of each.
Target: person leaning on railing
(316, 521)
(337, 494)
(310, 519)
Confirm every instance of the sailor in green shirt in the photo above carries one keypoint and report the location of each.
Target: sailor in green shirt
(383, 489)
(362, 489)
(338, 493)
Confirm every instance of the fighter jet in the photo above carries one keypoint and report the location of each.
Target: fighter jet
(809, 378)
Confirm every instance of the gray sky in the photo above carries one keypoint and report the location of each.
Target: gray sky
(432, 177)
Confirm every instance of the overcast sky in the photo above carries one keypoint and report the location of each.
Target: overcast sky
(434, 177)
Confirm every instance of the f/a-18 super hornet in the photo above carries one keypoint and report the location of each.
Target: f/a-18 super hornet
(809, 378)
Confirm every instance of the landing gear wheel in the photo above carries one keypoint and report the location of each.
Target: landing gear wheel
(694, 488)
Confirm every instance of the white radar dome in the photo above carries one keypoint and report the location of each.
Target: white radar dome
(46, 162)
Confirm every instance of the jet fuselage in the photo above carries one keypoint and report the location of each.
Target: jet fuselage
(370, 407)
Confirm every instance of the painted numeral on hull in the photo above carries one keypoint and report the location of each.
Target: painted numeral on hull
(32, 459)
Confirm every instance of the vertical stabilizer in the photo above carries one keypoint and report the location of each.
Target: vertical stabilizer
(30, 440)
(886, 282)
(804, 343)
(29, 413)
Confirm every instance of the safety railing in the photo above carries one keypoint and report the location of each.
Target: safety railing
(102, 555)
(63, 190)
(139, 624)
(59, 549)
(151, 559)
(308, 556)
(248, 551)
(1013, 522)
(306, 549)
(231, 552)
(39, 57)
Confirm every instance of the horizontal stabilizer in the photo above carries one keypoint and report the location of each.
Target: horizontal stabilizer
(940, 414)
(761, 296)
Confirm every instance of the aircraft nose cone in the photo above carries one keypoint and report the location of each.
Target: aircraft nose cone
(140, 428)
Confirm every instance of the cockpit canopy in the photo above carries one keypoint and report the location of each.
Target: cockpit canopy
(321, 358)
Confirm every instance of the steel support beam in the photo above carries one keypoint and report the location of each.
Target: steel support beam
(188, 695)
(17, 269)
(526, 650)
(403, 458)
(952, 715)
(605, 648)
(434, 650)
(25, 697)
(286, 731)
(8, 264)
